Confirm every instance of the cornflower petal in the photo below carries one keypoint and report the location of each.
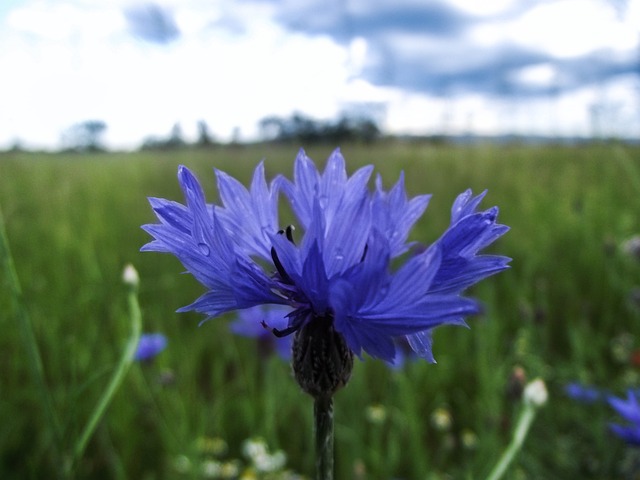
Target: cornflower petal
(345, 240)
(465, 204)
(460, 266)
(208, 252)
(249, 216)
(402, 306)
(628, 409)
(172, 214)
(328, 188)
(630, 434)
(395, 215)
(421, 343)
(304, 189)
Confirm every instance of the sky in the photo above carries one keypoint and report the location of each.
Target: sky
(491, 67)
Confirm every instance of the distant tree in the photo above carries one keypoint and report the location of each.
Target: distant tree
(173, 141)
(365, 129)
(16, 146)
(301, 128)
(176, 139)
(85, 136)
(205, 139)
(153, 143)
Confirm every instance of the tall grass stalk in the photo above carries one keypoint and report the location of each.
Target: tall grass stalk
(118, 376)
(534, 396)
(34, 359)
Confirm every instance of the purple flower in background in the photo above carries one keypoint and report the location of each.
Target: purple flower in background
(258, 322)
(333, 269)
(150, 345)
(628, 409)
(583, 393)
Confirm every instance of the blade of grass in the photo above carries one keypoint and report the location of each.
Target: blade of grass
(34, 359)
(118, 376)
(626, 162)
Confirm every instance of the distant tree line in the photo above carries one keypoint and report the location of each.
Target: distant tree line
(306, 130)
(87, 136)
(175, 140)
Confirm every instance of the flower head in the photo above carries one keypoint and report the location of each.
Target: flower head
(628, 409)
(333, 269)
(150, 345)
(535, 393)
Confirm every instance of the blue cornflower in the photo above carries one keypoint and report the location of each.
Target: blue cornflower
(257, 322)
(583, 393)
(333, 269)
(150, 345)
(629, 409)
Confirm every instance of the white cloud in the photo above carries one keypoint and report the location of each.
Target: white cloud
(82, 70)
(565, 28)
(542, 75)
(69, 61)
(485, 7)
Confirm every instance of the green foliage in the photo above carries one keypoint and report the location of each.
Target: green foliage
(563, 312)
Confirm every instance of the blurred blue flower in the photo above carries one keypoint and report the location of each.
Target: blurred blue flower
(583, 393)
(150, 345)
(257, 322)
(338, 268)
(628, 409)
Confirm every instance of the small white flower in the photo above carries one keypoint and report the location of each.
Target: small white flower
(130, 276)
(535, 393)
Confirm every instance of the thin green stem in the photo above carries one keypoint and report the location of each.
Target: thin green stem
(116, 380)
(522, 428)
(34, 358)
(323, 423)
(626, 162)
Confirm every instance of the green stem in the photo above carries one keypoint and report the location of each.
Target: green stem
(323, 422)
(116, 380)
(34, 358)
(520, 433)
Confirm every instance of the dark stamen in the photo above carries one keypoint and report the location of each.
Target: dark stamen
(274, 256)
(284, 332)
(364, 254)
(289, 233)
(276, 261)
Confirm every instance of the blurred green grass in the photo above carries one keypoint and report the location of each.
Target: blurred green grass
(562, 312)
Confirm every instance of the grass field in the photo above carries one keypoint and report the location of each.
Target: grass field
(565, 312)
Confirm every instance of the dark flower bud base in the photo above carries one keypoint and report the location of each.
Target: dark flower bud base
(322, 361)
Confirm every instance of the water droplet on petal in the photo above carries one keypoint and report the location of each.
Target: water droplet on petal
(204, 249)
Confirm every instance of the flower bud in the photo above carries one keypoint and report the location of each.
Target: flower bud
(535, 393)
(322, 361)
(130, 276)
